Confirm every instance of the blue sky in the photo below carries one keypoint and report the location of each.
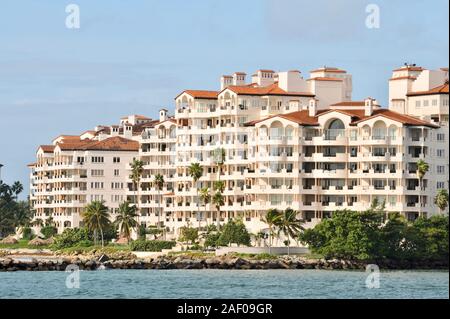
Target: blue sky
(136, 56)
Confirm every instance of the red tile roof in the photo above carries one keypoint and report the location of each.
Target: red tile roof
(319, 78)
(47, 148)
(409, 68)
(328, 70)
(272, 89)
(201, 94)
(441, 89)
(116, 143)
(403, 78)
(357, 116)
(351, 103)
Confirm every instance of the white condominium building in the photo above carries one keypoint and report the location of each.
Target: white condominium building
(287, 142)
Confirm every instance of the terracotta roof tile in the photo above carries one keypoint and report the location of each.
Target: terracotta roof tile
(201, 94)
(47, 148)
(441, 89)
(115, 143)
(319, 78)
(357, 116)
(272, 89)
(328, 70)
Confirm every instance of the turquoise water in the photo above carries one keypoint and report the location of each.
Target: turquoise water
(224, 284)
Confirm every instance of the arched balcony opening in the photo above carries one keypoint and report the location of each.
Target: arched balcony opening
(276, 131)
(379, 130)
(335, 129)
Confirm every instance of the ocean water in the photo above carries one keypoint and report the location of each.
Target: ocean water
(223, 284)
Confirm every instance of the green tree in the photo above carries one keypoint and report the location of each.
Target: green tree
(218, 201)
(49, 231)
(137, 168)
(272, 219)
(188, 234)
(289, 225)
(234, 232)
(196, 172)
(159, 184)
(422, 169)
(441, 199)
(348, 234)
(96, 218)
(8, 207)
(205, 197)
(126, 219)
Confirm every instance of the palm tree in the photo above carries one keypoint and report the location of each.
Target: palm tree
(441, 199)
(218, 200)
(159, 183)
(196, 172)
(137, 168)
(205, 197)
(272, 219)
(96, 218)
(219, 158)
(422, 169)
(126, 219)
(38, 222)
(289, 225)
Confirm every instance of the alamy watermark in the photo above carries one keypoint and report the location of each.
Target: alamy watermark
(73, 278)
(373, 277)
(73, 17)
(373, 17)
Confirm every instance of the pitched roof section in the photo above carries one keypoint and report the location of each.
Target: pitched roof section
(272, 89)
(299, 117)
(319, 78)
(115, 143)
(328, 70)
(357, 116)
(402, 118)
(201, 94)
(441, 89)
(47, 148)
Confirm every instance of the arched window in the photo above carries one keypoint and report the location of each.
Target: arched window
(336, 128)
(336, 124)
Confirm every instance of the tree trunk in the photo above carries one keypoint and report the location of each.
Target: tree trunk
(420, 197)
(288, 244)
(270, 240)
(101, 233)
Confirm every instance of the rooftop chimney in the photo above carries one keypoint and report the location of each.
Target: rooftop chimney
(239, 78)
(312, 107)
(368, 106)
(225, 81)
(162, 115)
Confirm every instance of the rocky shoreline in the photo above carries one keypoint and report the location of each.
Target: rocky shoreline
(60, 263)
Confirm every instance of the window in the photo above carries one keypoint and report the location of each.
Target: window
(116, 185)
(116, 159)
(440, 185)
(97, 185)
(440, 153)
(417, 103)
(116, 172)
(445, 102)
(426, 103)
(434, 102)
(97, 172)
(441, 169)
(440, 136)
(97, 159)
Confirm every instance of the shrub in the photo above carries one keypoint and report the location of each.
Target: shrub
(234, 232)
(366, 235)
(151, 245)
(27, 233)
(49, 231)
(188, 234)
(72, 237)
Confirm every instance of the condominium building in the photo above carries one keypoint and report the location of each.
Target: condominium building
(276, 141)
